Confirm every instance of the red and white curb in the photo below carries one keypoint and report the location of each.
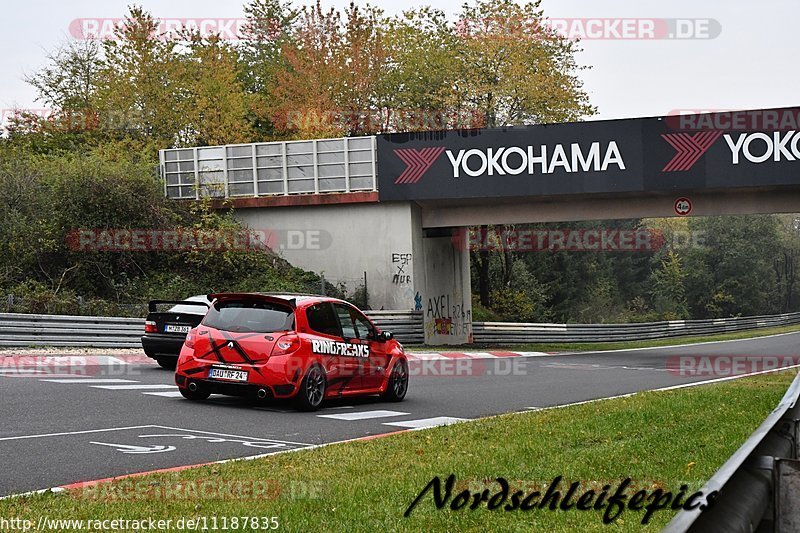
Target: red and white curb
(494, 354)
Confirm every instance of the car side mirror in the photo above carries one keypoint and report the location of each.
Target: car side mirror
(384, 336)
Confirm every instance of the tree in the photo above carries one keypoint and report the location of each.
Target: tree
(732, 274)
(142, 94)
(668, 293)
(513, 69)
(417, 94)
(270, 27)
(217, 103)
(333, 73)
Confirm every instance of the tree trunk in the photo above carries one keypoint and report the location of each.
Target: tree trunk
(481, 258)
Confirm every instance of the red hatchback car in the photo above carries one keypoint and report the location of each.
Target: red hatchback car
(309, 348)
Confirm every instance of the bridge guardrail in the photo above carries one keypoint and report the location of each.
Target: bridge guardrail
(759, 485)
(19, 330)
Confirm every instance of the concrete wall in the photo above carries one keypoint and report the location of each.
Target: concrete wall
(344, 241)
(405, 269)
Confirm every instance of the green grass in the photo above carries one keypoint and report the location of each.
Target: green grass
(599, 346)
(659, 439)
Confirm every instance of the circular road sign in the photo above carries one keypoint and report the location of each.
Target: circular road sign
(683, 206)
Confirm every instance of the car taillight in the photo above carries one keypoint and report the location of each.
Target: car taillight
(189, 342)
(150, 326)
(286, 344)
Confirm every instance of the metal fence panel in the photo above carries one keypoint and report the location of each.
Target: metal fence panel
(345, 164)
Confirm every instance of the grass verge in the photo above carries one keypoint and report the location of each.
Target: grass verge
(599, 346)
(658, 439)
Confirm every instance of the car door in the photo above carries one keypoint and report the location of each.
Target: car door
(325, 339)
(373, 367)
(358, 348)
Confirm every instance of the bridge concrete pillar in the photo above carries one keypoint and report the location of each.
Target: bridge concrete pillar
(447, 299)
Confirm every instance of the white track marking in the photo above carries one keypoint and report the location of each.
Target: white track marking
(678, 345)
(425, 422)
(364, 415)
(166, 394)
(84, 432)
(89, 380)
(132, 387)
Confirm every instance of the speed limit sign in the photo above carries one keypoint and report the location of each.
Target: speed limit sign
(683, 206)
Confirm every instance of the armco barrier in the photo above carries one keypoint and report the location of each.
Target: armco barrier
(20, 330)
(514, 333)
(759, 486)
(66, 330)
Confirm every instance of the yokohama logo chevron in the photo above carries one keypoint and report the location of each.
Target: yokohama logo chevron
(689, 148)
(417, 162)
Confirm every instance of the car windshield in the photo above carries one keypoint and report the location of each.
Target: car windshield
(183, 309)
(250, 316)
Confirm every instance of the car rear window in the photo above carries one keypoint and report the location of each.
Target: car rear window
(256, 316)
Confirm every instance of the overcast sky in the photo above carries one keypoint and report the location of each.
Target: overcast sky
(751, 63)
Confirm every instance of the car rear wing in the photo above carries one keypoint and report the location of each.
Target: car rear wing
(291, 302)
(151, 306)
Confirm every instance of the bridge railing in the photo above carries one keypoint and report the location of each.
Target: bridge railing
(345, 164)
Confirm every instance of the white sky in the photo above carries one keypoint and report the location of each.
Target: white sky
(751, 64)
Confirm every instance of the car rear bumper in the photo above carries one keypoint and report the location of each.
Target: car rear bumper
(158, 345)
(244, 390)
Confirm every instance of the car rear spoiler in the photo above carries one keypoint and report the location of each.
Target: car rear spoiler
(151, 306)
(291, 302)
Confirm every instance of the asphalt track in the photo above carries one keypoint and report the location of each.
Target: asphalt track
(60, 426)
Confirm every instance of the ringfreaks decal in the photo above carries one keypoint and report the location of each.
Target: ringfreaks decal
(339, 348)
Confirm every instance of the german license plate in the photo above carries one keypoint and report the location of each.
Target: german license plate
(174, 328)
(230, 375)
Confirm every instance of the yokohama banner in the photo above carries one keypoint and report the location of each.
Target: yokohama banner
(732, 149)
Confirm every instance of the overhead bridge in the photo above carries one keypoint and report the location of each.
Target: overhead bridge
(390, 205)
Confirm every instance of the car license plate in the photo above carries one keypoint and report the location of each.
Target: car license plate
(172, 328)
(230, 375)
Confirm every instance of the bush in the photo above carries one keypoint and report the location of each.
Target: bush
(42, 268)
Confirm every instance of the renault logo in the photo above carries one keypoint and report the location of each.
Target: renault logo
(230, 345)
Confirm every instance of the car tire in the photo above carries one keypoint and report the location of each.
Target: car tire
(196, 396)
(312, 389)
(398, 383)
(168, 363)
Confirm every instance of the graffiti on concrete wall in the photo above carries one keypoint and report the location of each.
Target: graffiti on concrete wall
(447, 316)
(401, 264)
